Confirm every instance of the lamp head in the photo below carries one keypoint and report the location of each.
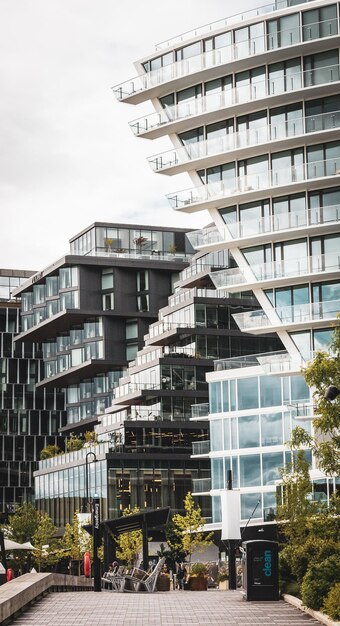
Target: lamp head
(331, 392)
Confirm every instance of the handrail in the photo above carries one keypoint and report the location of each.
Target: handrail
(252, 182)
(236, 95)
(228, 21)
(276, 269)
(241, 139)
(298, 313)
(212, 58)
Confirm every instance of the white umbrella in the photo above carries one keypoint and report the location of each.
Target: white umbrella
(14, 545)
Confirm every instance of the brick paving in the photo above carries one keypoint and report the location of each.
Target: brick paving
(160, 609)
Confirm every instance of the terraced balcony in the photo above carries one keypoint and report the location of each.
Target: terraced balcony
(171, 72)
(200, 448)
(201, 485)
(225, 192)
(169, 118)
(213, 150)
(272, 274)
(199, 411)
(312, 314)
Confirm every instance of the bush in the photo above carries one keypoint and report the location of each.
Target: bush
(318, 581)
(74, 443)
(331, 605)
(198, 569)
(49, 451)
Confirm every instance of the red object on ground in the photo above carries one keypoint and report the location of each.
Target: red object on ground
(87, 565)
(9, 574)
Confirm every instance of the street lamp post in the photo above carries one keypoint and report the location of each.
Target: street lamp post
(87, 476)
(96, 539)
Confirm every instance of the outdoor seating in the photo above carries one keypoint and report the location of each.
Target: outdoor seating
(140, 580)
(113, 580)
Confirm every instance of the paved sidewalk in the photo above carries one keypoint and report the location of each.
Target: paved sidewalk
(174, 608)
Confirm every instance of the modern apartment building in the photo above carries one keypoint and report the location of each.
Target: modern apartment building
(91, 308)
(251, 104)
(29, 418)
(144, 440)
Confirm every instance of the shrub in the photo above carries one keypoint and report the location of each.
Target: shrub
(331, 605)
(198, 569)
(49, 451)
(74, 443)
(318, 580)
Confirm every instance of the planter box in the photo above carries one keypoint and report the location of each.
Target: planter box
(198, 583)
(224, 585)
(163, 582)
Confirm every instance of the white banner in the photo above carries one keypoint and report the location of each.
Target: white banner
(230, 507)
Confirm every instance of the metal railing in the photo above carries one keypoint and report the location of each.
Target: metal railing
(261, 89)
(253, 182)
(243, 139)
(201, 485)
(276, 269)
(199, 410)
(299, 313)
(200, 447)
(220, 56)
(228, 21)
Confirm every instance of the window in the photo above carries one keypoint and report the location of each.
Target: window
(107, 278)
(249, 40)
(216, 439)
(321, 68)
(271, 428)
(131, 330)
(250, 470)
(251, 84)
(249, 431)
(143, 303)
(247, 391)
(319, 23)
(284, 31)
(286, 121)
(284, 76)
(143, 280)
(68, 277)
(131, 351)
(322, 114)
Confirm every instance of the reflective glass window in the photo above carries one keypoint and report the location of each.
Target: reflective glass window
(250, 470)
(249, 431)
(271, 429)
(247, 393)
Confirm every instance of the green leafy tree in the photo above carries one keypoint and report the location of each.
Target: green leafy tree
(129, 544)
(46, 545)
(76, 541)
(188, 536)
(23, 523)
(322, 372)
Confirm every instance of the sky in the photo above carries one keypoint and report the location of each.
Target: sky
(67, 155)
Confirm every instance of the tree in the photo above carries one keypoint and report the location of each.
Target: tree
(46, 552)
(23, 523)
(322, 372)
(188, 535)
(76, 541)
(129, 544)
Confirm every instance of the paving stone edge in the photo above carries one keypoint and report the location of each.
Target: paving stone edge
(320, 617)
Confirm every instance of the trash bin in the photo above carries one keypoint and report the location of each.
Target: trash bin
(260, 571)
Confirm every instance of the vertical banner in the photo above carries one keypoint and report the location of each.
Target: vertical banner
(96, 542)
(230, 508)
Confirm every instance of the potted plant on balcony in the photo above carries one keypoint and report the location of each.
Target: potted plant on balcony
(198, 578)
(140, 242)
(223, 578)
(108, 241)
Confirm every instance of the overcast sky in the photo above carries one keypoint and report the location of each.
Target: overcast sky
(67, 155)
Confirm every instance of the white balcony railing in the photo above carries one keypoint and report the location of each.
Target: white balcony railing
(200, 447)
(261, 89)
(270, 224)
(274, 270)
(242, 139)
(253, 182)
(221, 56)
(199, 410)
(228, 21)
(297, 314)
(201, 485)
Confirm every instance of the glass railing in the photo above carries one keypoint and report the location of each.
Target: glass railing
(261, 89)
(183, 295)
(200, 447)
(204, 237)
(242, 139)
(128, 388)
(284, 221)
(199, 410)
(221, 56)
(241, 361)
(229, 21)
(201, 485)
(154, 255)
(253, 182)
(276, 269)
(269, 513)
(162, 327)
(299, 313)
